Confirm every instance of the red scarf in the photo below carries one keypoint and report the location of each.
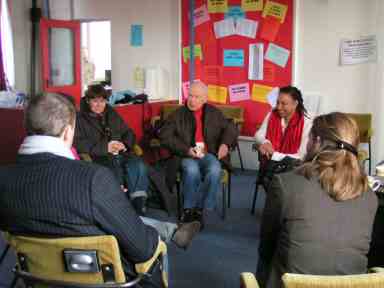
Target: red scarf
(289, 141)
(199, 135)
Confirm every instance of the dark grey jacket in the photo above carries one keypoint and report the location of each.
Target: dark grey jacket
(48, 195)
(305, 231)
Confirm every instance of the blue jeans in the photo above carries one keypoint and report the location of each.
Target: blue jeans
(130, 171)
(200, 181)
(136, 176)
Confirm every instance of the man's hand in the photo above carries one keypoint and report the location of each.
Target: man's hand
(266, 149)
(223, 151)
(114, 147)
(192, 153)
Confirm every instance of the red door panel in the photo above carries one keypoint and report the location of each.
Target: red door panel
(61, 57)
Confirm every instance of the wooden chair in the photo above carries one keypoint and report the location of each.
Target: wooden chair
(370, 280)
(86, 262)
(364, 121)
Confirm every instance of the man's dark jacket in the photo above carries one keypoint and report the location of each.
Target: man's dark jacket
(93, 132)
(178, 131)
(48, 195)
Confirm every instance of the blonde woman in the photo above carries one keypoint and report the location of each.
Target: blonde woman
(318, 219)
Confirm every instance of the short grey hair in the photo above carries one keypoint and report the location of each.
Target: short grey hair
(48, 114)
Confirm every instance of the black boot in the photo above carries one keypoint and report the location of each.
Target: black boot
(187, 216)
(197, 215)
(139, 203)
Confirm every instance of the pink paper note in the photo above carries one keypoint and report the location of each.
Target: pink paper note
(200, 15)
(185, 90)
(239, 92)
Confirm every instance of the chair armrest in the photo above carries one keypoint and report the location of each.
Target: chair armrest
(248, 280)
(137, 150)
(161, 251)
(154, 119)
(86, 157)
(376, 270)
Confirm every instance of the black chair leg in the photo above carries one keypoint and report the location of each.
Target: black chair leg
(5, 252)
(255, 198)
(224, 202)
(240, 158)
(229, 188)
(179, 203)
(14, 282)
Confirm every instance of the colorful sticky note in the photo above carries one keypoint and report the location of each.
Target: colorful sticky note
(269, 29)
(197, 53)
(260, 93)
(269, 72)
(217, 94)
(200, 15)
(213, 73)
(239, 92)
(217, 6)
(276, 10)
(277, 55)
(136, 35)
(233, 58)
(252, 5)
(235, 12)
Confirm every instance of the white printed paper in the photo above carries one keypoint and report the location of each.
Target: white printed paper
(256, 62)
(272, 96)
(246, 27)
(356, 51)
(224, 28)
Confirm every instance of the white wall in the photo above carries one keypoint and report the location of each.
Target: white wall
(160, 37)
(320, 27)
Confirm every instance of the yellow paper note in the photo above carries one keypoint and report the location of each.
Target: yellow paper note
(217, 6)
(198, 53)
(276, 10)
(252, 5)
(260, 93)
(217, 94)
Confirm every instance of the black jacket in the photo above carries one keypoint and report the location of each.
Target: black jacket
(94, 132)
(178, 132)
(48, 195)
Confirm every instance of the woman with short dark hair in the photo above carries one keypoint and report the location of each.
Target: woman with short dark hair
(318, 219)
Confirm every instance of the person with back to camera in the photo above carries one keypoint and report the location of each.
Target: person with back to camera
(284, 131)
(318, 219)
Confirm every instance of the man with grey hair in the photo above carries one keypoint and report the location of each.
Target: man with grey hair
(48, 193)
(201, 136)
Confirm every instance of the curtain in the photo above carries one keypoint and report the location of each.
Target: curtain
(3, 84)
(7, 66)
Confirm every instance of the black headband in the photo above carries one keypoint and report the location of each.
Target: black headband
(342, 145)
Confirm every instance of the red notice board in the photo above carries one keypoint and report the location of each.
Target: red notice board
(224, 31)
